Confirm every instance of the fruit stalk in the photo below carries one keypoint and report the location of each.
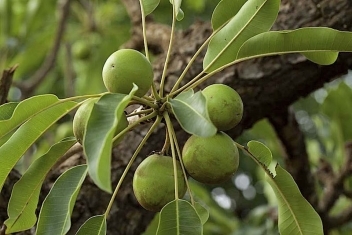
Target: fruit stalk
(139, 148)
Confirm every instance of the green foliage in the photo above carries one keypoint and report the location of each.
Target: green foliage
(256, 16)
(97, 141)
(25, 194)
(323, 49)
(240, 32)
(95, 225)
(191, 112)
(28, 133)
(55, 214)
(179, 217)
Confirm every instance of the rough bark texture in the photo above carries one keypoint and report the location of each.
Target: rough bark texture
(267, 86)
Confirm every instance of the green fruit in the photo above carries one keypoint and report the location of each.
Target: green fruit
(153, 182)
(81, 50)
(224, 105)
(81, 118)
(125, 67)
(210, 160)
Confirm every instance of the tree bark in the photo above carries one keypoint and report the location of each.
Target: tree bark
(268, 86)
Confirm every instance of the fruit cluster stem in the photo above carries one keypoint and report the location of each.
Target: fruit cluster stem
(141, 144)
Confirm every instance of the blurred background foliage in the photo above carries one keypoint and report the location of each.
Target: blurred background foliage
(95, 29)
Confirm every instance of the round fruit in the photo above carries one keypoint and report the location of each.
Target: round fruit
(81, 50)
(125, 67)
(153, 182)
(210, 160)
(81, 118)
(224, 105)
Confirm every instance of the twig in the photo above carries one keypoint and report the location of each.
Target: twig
(5, 83)
(29, 86)
(76, 148)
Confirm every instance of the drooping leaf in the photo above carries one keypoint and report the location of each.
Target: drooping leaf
(25, 110)
(179, 217)
(202, 212)
(191, 112)
(224, 11)
(6, 110)
(25, 194)
(27, 134)
(97, 142)
(55, 214)
(95, 225)
(179, 12)
(260, 151)
(321, 45)
(255, 16)
(296, 215)
(149, 6)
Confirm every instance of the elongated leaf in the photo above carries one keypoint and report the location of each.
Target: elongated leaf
(97, 142)
(224, 11)
(191, 112)
(25, 110)
(179, 217)
(55, 214)
(6, 110)
(27, 134)
(95, 225)
(255, 16)
(262, 153)
(312, 42)
(25, 194)
(149, 6)
(202, 212)
(296, 215)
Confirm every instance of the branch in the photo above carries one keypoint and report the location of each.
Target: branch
(29, 85)
(296, 156)
(5, 83)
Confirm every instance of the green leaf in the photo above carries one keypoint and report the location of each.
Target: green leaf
(27, 134)
(256, 16)
(55, 214)
(95, 225)
(25, 110)
(179, 12)
(224, 11)
(191, 112)
(202, 212)
(97, 142)
(296, 215)
(260, 151)
(179, 217)
(149, 6)
(25, 194)
(320, 45)
(6, 110)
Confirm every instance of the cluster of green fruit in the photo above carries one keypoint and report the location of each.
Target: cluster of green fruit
(210, 160)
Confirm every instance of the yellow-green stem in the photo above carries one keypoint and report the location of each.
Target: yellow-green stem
(179, 80)
(140, 112)
(182, 166)
(130, 127)
(163, 76)
(166, 143)
(141, 144)
(145, 102)
(172, 143)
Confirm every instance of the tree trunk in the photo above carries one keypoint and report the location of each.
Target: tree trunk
(268, 86)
